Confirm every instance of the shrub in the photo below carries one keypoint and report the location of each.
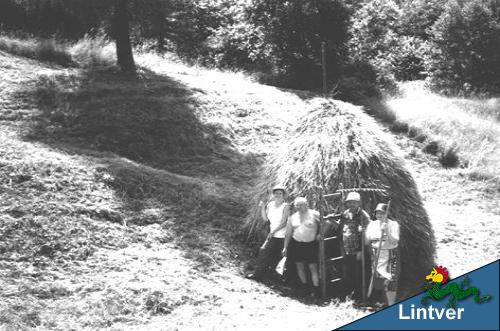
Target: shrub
(93, 52)
(432, 147)
(358, 81)
(449, 158)
(51, 51)
(465, 49)
(399, 127)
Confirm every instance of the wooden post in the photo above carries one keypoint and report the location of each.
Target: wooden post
(323, 65)
(322, 257)
(363, 264)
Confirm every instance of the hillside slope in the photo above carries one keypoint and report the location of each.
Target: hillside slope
(122, 200)
(101, 227)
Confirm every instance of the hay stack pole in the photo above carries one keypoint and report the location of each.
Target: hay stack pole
(356, 155)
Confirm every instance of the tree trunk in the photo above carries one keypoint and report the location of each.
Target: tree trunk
(124, 55)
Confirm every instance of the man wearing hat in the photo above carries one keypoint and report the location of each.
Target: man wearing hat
(385, 268)
(275, 212)
(352, 223)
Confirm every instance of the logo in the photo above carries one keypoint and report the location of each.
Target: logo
(437, 289)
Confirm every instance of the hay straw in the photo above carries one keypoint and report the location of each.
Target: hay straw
(356, 155)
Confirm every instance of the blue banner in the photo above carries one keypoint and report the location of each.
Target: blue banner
(468, 314)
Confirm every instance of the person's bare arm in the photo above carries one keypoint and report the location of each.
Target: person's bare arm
(263, 211)
(288, 236)
(316, 217)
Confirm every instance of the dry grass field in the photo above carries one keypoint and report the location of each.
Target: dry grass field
(122, 200)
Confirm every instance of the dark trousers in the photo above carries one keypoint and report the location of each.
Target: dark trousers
(269, 256)
(354, 273)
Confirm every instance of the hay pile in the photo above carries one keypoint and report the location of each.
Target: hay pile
(355, 154)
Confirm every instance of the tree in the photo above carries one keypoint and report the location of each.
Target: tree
(465, 43)
(121, 33)
(295, 29)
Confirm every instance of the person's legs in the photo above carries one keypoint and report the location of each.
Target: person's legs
(263, 261)
(358, 279)
(391, 297)
(350, 269)
(313, 268)
(302, 272)
(275, 254)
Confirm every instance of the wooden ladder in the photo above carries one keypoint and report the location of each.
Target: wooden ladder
(326, 260)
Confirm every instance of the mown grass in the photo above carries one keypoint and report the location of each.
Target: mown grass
(460, 131)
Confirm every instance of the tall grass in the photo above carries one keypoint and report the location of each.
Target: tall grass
(468, 126)
(44, 50)
(87, 52)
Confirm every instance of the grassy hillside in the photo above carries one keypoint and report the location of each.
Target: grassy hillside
(123, 198)
(467, 127)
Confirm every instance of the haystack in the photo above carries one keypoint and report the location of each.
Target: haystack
(344, 144)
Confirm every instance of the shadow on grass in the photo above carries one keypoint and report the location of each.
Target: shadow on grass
(166, 165)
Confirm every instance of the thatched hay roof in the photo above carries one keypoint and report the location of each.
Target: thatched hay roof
(355, 154)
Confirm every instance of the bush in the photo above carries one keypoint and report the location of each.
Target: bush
(93, 52)
(51, 51)
(465, 44)
(399, 127)
(431, 148)
(449, 158)
(358, 81)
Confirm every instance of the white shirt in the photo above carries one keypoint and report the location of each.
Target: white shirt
(305, 229)
(373, 234)
(275, 215)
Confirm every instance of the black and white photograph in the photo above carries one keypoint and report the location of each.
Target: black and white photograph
(242, 164)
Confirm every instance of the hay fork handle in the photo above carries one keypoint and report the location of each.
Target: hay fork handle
(372, 279)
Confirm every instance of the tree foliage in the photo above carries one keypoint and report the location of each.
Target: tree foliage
(466, 48)
(454, 42)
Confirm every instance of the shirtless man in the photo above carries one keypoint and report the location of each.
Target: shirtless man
(301, 245)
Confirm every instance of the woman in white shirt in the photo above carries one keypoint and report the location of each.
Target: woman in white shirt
(385, 270)
(276, 213)
(301, 246)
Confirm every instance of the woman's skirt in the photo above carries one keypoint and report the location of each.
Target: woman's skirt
(306, 252)
(387, 270)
